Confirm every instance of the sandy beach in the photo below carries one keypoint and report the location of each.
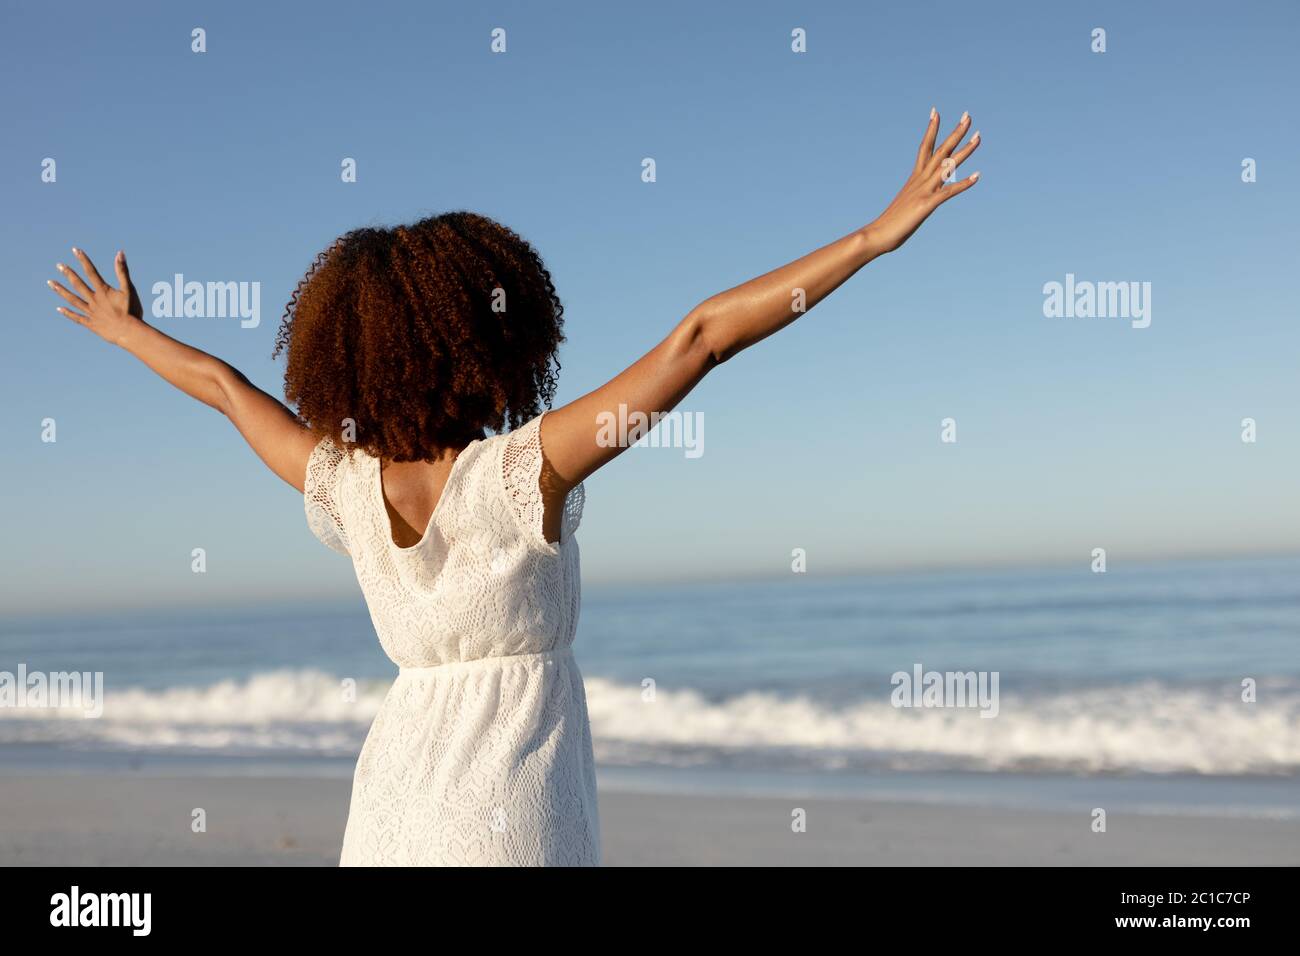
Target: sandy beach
(138, 820)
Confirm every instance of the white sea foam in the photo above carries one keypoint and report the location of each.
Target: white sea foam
(283, 710)
(1137, 727)
(1145, 727)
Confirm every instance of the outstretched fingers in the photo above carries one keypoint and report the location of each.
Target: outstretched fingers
(948, 145)
(88, 300)
(70, 297)
(70, 276)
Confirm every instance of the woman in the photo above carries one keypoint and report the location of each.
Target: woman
(405, 347)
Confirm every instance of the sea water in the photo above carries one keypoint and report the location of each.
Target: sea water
(1173, 685)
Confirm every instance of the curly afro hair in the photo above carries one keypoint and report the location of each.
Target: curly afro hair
(423, 335)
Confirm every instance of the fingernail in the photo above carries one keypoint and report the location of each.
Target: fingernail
(932, 112)
(965, 117)
(76, 251)
(976, 137)
(974, 177)
(60, 266)
(120, 257)
(50, 283)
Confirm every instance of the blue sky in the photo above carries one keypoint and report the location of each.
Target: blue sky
(1072, 433)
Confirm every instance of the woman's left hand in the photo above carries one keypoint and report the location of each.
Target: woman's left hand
(110, 313)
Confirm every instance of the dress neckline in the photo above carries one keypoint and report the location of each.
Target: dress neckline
(382, 501)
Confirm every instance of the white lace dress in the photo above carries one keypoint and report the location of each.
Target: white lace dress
(481, 751)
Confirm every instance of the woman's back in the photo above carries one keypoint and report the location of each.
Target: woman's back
(483, 581)
(487, 715)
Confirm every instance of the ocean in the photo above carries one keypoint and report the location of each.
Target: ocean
(1131, 682)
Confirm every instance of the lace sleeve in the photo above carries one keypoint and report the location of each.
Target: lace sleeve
(521, 471)
(318, 491)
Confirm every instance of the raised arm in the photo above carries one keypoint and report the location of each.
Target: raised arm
(117, 316)
(730, 321)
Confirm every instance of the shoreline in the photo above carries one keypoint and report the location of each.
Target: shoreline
(140, 819)
(1241, 796)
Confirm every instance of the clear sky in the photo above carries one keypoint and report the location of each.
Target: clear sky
(1071, 433)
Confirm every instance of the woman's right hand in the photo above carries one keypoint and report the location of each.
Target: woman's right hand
(926, 187)
(110, 313)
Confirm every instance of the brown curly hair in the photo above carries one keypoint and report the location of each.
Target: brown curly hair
(423, 335)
